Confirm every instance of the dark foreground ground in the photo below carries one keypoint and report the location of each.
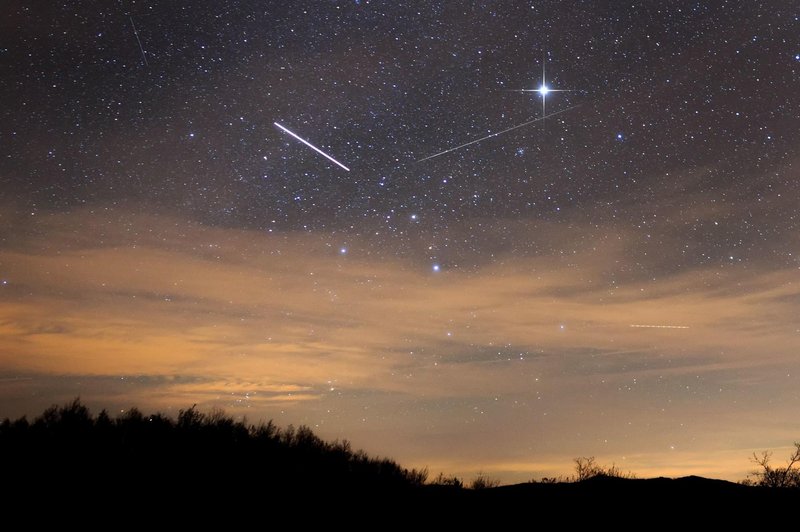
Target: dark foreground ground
(68, 469)
(228, 503)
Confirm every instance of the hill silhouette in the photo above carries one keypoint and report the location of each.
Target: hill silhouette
(203, 468)
(68, 443)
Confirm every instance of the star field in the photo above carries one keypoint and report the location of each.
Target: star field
(445, 275)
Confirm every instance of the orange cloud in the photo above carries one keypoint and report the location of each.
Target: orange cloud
(263, 320)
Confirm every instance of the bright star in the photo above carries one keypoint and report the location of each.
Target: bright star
(543, 89)
(436, 267)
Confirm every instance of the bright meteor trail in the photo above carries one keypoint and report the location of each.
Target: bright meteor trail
(311, 146)
(497, 134)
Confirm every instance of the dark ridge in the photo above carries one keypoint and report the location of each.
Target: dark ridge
(68, 466)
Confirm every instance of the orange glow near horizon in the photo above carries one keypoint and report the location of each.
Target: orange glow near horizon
(512, 369)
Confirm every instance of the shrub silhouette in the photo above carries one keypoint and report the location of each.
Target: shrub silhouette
(67, 448)
(587, 468)
(787, 476)
(482, 482)
(443, 480)
(198, 459)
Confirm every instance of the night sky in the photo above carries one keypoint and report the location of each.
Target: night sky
(619, 277)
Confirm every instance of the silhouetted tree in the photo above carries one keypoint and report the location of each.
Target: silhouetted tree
(787, 476)
(67, 447)
(587, 467)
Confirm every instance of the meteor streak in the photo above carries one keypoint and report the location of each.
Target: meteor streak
(141, 48)
(497, 134)
(312, 146)
(660, 326)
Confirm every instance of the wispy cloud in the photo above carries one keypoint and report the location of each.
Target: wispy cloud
(266, 319)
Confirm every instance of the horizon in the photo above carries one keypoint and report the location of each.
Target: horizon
(515, 475)
(418, 259)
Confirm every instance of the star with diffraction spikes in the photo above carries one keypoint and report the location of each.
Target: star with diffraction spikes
(543, 89)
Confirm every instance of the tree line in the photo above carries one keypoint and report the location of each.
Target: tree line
(69, 446)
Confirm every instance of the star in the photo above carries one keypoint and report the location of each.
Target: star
(543, 89)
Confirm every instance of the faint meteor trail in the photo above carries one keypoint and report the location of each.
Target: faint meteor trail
(141, 48)
(497, 134)
(312, 146)
(660, 326)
